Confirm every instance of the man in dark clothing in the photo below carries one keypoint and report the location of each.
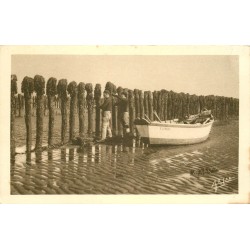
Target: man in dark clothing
(106, 115)
(124, 108)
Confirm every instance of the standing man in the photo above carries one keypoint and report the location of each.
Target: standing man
(106, 116)
(123, 104)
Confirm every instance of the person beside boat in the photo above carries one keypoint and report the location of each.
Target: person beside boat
(122, 103)
(106, 116)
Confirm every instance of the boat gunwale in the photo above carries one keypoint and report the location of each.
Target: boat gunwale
(178, 125)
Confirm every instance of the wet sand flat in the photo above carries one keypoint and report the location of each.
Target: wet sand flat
(210, 167)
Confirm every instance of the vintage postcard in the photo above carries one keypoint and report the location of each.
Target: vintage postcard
(124, 124)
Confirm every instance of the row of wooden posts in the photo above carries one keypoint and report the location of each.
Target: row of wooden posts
(168, 104)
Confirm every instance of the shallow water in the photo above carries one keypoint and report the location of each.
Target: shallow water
(135, 168)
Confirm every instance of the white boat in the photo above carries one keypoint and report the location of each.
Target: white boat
(173, 133)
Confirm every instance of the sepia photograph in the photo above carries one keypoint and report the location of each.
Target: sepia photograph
(124, 124)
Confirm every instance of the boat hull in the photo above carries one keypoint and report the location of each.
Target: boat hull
(174, 134)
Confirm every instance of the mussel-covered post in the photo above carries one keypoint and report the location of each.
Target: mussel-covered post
(146, 103)
(165, 105)
(45, 105)
(227, 107)
(131, 102)
(27, 88)
(19, 105)
(158, 109)
(214, 107)
(160, 104)
(81, 108)
(39, 87)
(155, 103)
(150, 106)
(97, 96)
(119, 114)
(62, 94)
(114, 123)
(141, 101)
(90, 106)
(72, 90)
(12, 122)
(187, 105)
(170, 106)
(51, 92)
(112, 89)
(137, 103)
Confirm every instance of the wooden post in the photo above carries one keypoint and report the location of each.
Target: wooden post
(158, 99)
(51, 92)
(62, 94)
(150, 105)
(19, 105)
(227, 107)
(131, 101)
(72, 90)
(97, 96)
(12, 119)
(180, 106)
(198, 105)
(233, 107)
(170, 106)
(223, 113)
(81, 108)
(237, 107)
(173, 105)
(146, 103)
(165, 109)
(185, 105)
(39, 87)
(90, 106)
(45, 104)
(27, 88)
(201, 102)
(160, 104)
(16, 100)
(229, 99)
(119, 114)
(141, 104)
(114, 111)
(176, 105)
(137, 103)
(163, 104)
(33, 106)
(214, 106)
(155, 101)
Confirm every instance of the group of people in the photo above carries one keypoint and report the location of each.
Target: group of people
(106, 107)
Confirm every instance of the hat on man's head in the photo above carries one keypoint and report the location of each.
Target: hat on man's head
(106, 91)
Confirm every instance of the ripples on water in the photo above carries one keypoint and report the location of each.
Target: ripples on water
(132, 168)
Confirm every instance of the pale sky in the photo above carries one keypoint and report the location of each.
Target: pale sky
(201, 75)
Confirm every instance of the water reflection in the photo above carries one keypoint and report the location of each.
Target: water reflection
(124, 168)
(102, 153)
(50, 155)
(63, 155)
(28, 158)
(38, 156)
(71, 154)
(88, 154)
